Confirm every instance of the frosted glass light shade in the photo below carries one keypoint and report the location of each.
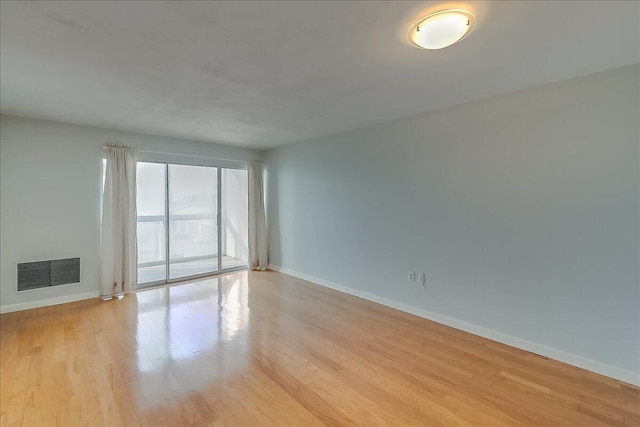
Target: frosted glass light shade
(441, 29)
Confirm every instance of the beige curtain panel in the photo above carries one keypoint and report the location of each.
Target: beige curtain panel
(119, 252)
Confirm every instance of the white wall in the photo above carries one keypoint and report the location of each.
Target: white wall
(50, 197)
(522, 210)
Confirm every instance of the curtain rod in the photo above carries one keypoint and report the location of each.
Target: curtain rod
(106, 148)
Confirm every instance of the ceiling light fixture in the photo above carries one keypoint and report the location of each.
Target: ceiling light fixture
(441, 29)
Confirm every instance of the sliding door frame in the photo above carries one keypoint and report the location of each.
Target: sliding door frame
(219, 218)
(167, 236)
(167, 221)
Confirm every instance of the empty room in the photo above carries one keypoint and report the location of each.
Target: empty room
(307, 213)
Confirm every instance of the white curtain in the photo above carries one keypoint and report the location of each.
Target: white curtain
(119, 264)
(258, 245)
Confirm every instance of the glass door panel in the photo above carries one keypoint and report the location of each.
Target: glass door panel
(151, 223)
(235, 218)
(193, 220)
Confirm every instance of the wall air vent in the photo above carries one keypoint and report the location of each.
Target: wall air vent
(42, 274)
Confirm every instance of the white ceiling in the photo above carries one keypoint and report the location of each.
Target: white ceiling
(262, 74)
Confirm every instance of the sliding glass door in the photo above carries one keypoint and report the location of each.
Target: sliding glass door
(192, 221)
(234, 224)
(152, 223)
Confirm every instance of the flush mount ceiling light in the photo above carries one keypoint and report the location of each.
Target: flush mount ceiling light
(441, 29)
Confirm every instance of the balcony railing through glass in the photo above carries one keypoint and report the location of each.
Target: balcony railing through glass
(193, 251)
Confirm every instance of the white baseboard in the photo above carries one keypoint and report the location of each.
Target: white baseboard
(550, 352)
(48, 301)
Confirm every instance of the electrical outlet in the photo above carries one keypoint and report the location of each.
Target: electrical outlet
(422, 279)
(412, 276)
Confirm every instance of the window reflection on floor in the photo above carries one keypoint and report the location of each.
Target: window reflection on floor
(189, 336)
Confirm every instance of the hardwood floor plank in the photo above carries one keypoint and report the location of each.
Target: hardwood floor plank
(263, 348)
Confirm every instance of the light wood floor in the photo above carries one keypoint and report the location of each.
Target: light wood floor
(253, 349)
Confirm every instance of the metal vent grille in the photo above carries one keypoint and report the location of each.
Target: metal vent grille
(65, 271)
(33, 275)
(41, 274)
